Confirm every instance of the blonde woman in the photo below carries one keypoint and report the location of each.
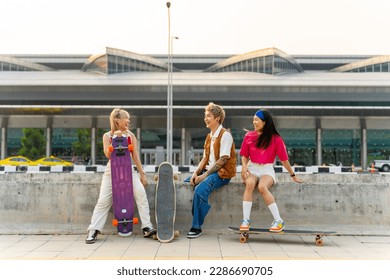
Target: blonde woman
(119, 122)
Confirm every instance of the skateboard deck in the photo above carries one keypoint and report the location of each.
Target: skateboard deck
(165, 208)
(244, 235)
(122, 185)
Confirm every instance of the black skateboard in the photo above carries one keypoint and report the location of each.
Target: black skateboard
(244, 235)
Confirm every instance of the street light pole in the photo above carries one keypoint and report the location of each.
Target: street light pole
(170, 106)
(169, 88)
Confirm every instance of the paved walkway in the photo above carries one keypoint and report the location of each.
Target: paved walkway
(207, 247)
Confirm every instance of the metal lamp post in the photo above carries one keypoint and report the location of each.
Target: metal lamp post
(169, 120)
(170, 90)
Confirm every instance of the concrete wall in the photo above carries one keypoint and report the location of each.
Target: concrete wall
(38, 203)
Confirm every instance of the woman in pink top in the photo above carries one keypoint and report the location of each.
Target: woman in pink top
(259, 150)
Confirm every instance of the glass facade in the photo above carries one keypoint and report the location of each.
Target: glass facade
(8, 63)
(301, 146)
(5, 66)
(117, 61)
(378, 144)
(341, 146)
(98, 65)
(379, 67)
(271, 64)
(338, 145)
(120, 64)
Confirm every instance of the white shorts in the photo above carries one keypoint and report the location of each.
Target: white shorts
(262, 169)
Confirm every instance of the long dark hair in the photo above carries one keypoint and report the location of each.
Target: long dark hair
(269, 131)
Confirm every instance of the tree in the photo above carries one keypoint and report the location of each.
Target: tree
(33, 143)
(83, 146)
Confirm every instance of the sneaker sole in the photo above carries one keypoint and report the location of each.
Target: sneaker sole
(150, 234)
(276, 230)
(194, 236)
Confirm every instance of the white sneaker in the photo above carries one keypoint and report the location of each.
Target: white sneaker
(245, 225)
(277, 226)
(92, 236)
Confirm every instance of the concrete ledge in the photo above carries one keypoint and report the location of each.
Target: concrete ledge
(154, 168)
(43, 203)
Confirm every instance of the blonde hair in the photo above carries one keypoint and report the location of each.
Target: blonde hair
(216, 110)
(117, 114)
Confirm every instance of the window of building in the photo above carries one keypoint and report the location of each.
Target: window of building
(301, 145)
(378, 144)
(341, 146)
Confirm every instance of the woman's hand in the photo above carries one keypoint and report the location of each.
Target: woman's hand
(296, 179)
(244, 175)
(144, 180)
(118, 133)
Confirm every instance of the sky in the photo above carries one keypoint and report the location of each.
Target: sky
(338, 27)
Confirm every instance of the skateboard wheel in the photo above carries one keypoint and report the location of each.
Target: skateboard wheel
(130, 147)
(115, 222)
(110, 148)
(135, 221)
(154, 236)
(175, 177)
(319, 242)
(155, 178)
(243, 239)
(177, 233)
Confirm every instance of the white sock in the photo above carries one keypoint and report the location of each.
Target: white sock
(246, 208)
(274, 211)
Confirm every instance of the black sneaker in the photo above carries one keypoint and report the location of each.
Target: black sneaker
(148, 232)
(92, 236)
(194, 233)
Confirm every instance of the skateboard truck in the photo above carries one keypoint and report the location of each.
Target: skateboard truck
(130, 146)
(116, 222)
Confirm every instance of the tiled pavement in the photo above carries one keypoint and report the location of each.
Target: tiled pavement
(224, 246)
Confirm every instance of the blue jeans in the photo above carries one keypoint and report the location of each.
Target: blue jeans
(200, 204)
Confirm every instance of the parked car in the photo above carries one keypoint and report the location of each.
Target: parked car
(18, 161)
(51, 161)
(382, 165)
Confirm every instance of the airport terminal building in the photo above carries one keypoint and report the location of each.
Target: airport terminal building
(330, 109)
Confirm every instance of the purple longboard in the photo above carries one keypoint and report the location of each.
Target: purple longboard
(122, 186)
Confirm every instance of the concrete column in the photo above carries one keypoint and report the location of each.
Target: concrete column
(49, 132)
(364, 149)
(319, 142)
(363, 155)
(3, 142)
(48, 140)
(183, 147)
(93, 145)
(189, 149)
